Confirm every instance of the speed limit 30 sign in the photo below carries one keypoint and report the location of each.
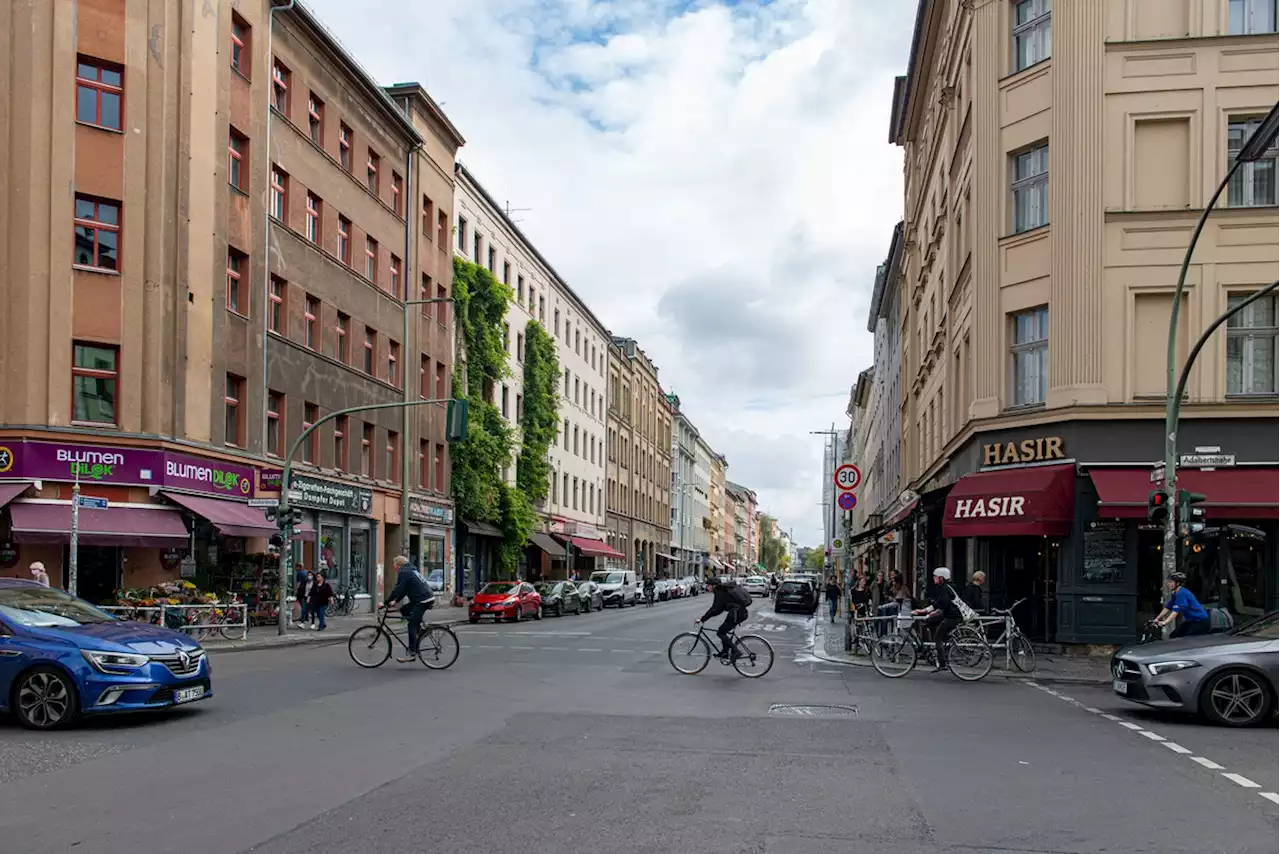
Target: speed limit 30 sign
(848, 476)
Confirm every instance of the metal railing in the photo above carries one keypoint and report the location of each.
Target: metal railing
(230, 619)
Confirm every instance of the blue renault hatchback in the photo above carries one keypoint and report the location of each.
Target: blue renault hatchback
(61, 658)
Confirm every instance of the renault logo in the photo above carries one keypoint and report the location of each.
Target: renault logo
(184, 659)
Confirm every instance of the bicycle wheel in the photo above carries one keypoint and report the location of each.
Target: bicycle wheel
(1021, 653)
(438, 647)
(968, 654)
(369, 646)
(755, 656)
(893, 656)
(689, 653)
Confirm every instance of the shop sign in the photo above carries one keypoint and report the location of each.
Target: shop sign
(422, 510)
(221, 478)
(10, 554)
(983, 508)
(331, 495)
(69, 462)
(269, 480)
(1027, 451)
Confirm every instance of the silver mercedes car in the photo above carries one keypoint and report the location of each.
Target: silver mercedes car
(1228, 678)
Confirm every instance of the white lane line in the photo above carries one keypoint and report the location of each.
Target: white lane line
(1208, 763)
(1176, 748)
(1128, 725)
(521, 647)
(622, 650)
(488, 646)
(589, 649)
(1271, 796)
(555, 648)
(1110, 717)
(653, 652)
(1241, 781)
(824, 670)
(1091, 709)
(1151, 735)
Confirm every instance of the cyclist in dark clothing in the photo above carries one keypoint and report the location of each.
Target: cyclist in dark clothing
(944, 614)
(732, 601)
(412, 586)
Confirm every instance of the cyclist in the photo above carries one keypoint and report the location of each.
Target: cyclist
(944, 614)
(410, 585)
(732, 601)
(1183, 603)
(649, 589)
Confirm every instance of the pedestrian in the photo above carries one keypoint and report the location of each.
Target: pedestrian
(974, 596)
(38, 574)
(859, 593)
(833, 597)
(319, 599)
(302, 593)
(898, 597)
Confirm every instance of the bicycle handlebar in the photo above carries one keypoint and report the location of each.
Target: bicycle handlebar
(1008, 610)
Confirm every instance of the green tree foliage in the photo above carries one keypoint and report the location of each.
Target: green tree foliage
(814, 559)
(771, 551)
(541, 417)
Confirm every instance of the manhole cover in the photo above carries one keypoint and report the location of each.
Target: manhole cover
(786, 710)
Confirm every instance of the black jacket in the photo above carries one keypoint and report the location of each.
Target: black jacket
(321, 594)
(943, 598)
(727, 596)
(974, 597)
(411, 585)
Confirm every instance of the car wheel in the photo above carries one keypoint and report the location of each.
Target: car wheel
(45, 698)
(473, 619)
(517, 613)
(1236, 698)
(537, 613)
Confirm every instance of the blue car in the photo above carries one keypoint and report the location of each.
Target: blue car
(61, 658)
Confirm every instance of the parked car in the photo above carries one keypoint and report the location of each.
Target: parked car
(61, 658)
(619, 586)
(1228, 678)
(435, 580)
(559, 597)
(757, 586)
(506, 600)
(662, 589)
(674, 589)
(796, 596)
(692, 584)
(590, 596)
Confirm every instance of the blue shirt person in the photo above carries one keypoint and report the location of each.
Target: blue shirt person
(1183, 603)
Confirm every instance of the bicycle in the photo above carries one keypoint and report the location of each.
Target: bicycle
(752, 656)
(863, 630)
(648, 597)
(896, 655)
(344, 602)
(1018, 651)
(437, 644)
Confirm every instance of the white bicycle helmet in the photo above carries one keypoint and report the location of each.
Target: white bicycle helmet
(942, 572)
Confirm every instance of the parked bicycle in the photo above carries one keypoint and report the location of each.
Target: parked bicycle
(370, 646)
(967, 652)
(344, 603)
(1018, 651)
(690, 653)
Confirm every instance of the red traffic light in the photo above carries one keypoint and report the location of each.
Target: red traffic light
(1159, 499)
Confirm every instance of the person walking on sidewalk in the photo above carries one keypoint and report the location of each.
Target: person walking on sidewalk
(319, 599)
(38, 574)
(833, 597)
(305, 582)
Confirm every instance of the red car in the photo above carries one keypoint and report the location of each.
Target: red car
(506, 600)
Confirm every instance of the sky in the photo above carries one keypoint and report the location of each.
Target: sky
(712, 177)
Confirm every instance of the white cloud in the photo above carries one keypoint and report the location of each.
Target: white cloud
(711, 176)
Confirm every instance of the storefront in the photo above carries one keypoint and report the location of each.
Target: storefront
(345, 546)
(430, 532)
(478, 556)
(585, 551)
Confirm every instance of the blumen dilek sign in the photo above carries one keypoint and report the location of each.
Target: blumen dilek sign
(64, 461)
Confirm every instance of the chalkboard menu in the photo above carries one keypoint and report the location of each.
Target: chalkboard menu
(1104, 552)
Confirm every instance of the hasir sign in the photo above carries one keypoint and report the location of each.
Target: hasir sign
(123, 467)
(985, 508)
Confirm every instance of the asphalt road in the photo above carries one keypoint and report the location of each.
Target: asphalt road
(576, 735)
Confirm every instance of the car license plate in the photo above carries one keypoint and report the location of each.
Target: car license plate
(1120, 686)
(186, 695)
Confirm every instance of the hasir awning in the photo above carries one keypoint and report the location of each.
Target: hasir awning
(1230, 493)
(233, 518)
(1025, 502)
(594, 548)
(116, 526)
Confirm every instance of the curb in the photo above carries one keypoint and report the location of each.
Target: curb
(293, 640)
(820, 651)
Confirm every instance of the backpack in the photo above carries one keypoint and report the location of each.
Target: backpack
(740, 597)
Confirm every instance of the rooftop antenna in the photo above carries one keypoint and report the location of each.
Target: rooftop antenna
(508, 210)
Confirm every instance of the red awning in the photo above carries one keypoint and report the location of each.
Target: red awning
(1026, 502)
(594, 548)
(136, 527)
(901, 516)
(233, 518)
(1230, 493)
(10, 491)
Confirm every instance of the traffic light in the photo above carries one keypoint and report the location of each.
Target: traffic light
(295, 520)
(1190, 517)
(1157, 507)
(456, 419)
(270, 513)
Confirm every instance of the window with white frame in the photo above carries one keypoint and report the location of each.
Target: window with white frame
(1032, 32)
(1254, 184)
(1251, 346)
(1031, 188)
(1245, 17)
(1029, 356)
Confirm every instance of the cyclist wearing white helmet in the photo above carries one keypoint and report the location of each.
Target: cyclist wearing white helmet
(944, 614)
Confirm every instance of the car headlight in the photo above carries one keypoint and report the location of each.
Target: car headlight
(114, 662)
(1170, 666)
(511, 601)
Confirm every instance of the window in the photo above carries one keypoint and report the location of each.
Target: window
(519, 407)
(280, 88)
(493, 259)
(370, 349)
(279, 192)
(276, 307)
(441, 486)
(344, 146)
(344, 346)
(519, 289)
(462, 234)
(310, 318)
(1245, 17)
(1031, 189)
(313, 217)
(94, 371)
(565, 433)
(566, 383)
(424, 464)
(97, 224)
(442, 307)
(506, 407)
(1251, 346)
(393, 456)
(577, 391)
(237, 263)
(520, 346)
(441, 380)
(99, 92)
(442, 230)
(393, 363)
(428, 216)
(575, 442)
(397, 192)
(395, 278)
(1030, 356)
(542, 310)
(424, 293)
(565, 491)
(231, 407)
(575, 493)
(315, 118)
(366, 451)
(477, 243)
(344, 240)
(506, 272)
(424, 378)
(237, 169)
(275, 415)
(340, 443)
(311, 447)
(371, 171)
(577, 341)
(506, 338)
(1254, 184)
(1032, 33)
(557, 322)
(241, 47)
(371, 259)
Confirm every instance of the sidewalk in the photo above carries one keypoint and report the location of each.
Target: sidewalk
(337, 631)
(828, 644)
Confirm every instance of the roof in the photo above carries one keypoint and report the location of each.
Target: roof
(886, 278)
(927, 13)
(415, 92)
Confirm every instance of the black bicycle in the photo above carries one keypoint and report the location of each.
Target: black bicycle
(690, 653)
(370, 646)
(344, 602)
(967, 652)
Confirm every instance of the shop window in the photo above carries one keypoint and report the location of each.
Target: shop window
(340, 443)
(232, 419)
(366, 451)
(277, 295)
(332, 561)
(275, 417)
(1254, 184)
(99, 93)
(1251, 346)
(360, 560)
(97, 241)
(94, 375)
(241, 45)
(310, 447)
(1029, 357)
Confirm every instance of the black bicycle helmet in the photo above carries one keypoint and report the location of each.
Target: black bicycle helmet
(1179, 577)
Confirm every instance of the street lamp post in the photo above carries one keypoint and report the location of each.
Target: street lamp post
(1262, 139)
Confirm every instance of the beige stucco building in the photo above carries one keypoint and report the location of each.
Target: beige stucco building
(1056, 161)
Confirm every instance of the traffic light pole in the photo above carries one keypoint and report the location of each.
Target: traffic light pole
(283, 511)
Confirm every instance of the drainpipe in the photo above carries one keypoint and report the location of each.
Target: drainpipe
(411, 162)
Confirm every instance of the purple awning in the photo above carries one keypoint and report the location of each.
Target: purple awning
(233, 518)
(116, 526)
(10, 491)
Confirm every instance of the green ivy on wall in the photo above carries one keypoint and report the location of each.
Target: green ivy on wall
(541, 420)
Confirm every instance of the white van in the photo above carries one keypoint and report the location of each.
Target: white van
(618, 586)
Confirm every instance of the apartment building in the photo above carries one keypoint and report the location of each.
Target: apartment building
(716, 506)
(259, 292)
(690, 493)
(639, 464)
(1056, 161)
(572, 537)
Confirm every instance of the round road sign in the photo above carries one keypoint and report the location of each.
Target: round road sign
(847, 501)
(837, 544)
(848, 476)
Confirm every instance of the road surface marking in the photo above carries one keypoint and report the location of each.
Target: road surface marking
(1128, 725)
(1241, 781)
(622, 650)
(1271, 796)
(825, 670)
(1110, 717)
(1091, 709)
(1151, 735)
(653, 652)
(1175, 747)
(1208, 763)
(488, 646)
(555, 648)
(521, 647)
(589, 649)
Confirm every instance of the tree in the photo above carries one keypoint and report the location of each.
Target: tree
(771, 550)
(814, 559)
